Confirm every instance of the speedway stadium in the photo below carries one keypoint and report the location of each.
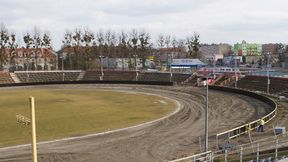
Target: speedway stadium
(175, 133)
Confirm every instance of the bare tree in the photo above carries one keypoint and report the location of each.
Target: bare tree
(77, 40)
(46, 43)
(37, 42)
(28, 40)
(67, 45)
(193, 45)
(145, 44)
(100, 40)
(123, 46)
(110, 41)
(160, 43)
(12, 46)
(174, 44)
(167, 43)
(112, 44)
(4, 38)
(181, 47)
(88, 38)
(133, 41)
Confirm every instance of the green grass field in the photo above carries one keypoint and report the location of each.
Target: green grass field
(66, 113)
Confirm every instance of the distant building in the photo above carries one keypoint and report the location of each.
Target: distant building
(270, 48)
(247, 49)
(29, 59)
(250, 52)
(214, 52)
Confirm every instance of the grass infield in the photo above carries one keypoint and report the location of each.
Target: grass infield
(66, 113)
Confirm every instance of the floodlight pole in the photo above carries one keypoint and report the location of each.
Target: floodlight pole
(206, 116)
(34, 146)
(268, 80)
(136, 70)
(236, 78)
(27, 68)
(62, 58)
(214, 67)
(101, 66)
(171, 75)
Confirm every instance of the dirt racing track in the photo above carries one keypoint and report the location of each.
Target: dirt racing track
(172, 137)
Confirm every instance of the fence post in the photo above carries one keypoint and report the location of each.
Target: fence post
(276, 150)
(194, 158)
(217, 142)
(33, 122)
(226, 155)
(241, 153)
(257, 153)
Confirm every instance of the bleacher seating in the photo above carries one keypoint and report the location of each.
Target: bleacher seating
(131, 76)
(42, 76)
(149, 76)
(5, 78)
(259, 83)
(180, 78)
(119, 75)
(278, 86)
(92, 75)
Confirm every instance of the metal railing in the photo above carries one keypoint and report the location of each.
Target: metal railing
(240, 130)
(205, 156)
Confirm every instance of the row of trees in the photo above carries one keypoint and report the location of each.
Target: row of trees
(34, 40)
(88, 46)
(83, 46)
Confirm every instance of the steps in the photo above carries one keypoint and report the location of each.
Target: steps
(81, 76)
(15, 78)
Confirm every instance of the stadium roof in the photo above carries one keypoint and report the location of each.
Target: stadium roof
(186, 63)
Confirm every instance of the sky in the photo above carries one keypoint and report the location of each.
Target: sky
(217, 21)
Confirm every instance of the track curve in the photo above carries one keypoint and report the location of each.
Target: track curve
(170, 138)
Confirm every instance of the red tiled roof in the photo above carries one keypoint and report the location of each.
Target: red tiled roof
(44, 52)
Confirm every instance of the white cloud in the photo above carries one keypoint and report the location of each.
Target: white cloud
(216, 20)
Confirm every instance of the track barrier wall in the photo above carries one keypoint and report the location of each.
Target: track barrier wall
(89, 82)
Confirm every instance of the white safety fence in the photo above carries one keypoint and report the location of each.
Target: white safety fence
(205, 156)
(267, 149)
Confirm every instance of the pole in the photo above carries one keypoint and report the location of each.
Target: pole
(136, 68)
(276, 150)
(171, 57)
(27, 70)
(214, 66)
(236, 78)
(206, 116)
(101, 68)
(241, 154)
(268, 80)
(63, 69)
(225, 156)
(258, 149)
(34, 147)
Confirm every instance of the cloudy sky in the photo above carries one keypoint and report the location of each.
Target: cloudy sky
(226, 21)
